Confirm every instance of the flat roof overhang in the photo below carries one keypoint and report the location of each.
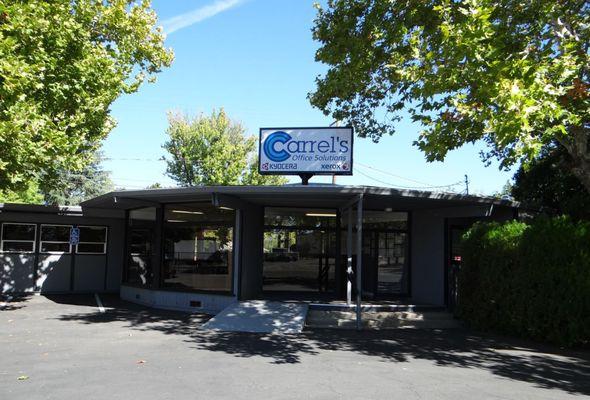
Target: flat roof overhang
(316, 196)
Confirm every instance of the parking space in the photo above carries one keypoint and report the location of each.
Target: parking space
(65, 347)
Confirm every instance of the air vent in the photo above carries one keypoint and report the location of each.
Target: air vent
(195, 303)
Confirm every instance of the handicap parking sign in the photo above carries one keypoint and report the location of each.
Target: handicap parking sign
(74, 236)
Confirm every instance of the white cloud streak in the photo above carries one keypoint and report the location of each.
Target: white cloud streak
(185, 20)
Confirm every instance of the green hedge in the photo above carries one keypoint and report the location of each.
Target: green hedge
(530, 280)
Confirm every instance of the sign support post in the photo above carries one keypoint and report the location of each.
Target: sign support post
(305, 178)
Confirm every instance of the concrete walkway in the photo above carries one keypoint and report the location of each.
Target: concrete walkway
(259, 316)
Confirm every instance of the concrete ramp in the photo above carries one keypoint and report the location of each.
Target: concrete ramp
(259, 316)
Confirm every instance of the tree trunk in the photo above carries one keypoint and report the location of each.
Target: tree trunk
(577, 145)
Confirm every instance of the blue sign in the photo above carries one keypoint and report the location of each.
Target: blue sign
(294, 151)
(74, 236)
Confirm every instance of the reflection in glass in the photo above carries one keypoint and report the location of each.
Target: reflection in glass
(17, 237)
(384, 251)
(299, 249)
(198, 247)
(55, 239)
(142, 223)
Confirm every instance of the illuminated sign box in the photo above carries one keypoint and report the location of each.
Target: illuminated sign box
(296, 151)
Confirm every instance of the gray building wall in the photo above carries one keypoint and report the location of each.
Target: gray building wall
(17, 272)
(59, 273)
(179, 301)
(252, 236)
(428, 243)
(427, 257)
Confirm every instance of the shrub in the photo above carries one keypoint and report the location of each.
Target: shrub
(530, 280)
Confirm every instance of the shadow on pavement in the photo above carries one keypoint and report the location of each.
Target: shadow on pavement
(543, 366)
(140, 318)
(13, 302)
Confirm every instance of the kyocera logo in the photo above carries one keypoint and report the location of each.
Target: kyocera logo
(279, 146)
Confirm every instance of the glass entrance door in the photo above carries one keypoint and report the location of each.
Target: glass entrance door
(299, 250)
(391, 263)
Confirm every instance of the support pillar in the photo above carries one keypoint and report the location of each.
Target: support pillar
(359, 261)
(349, 257)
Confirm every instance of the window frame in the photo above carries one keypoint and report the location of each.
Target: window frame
(41, 241)
(104, 244)
(2, 240)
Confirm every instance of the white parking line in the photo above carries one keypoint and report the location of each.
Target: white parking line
(99, 303)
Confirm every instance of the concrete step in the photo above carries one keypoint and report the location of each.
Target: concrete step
(368, 307)
(381, 320)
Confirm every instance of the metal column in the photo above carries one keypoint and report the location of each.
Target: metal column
(349, 258)
(359, 262)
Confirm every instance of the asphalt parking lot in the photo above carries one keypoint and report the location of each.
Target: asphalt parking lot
(64, 347)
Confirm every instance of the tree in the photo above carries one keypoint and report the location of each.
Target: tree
(252, 177)
(73, 187)
(548, 184)
(514, 74)
(29, 195)
(212, 150)
(62, 65)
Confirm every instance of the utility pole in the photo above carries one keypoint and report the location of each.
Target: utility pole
(466, 185)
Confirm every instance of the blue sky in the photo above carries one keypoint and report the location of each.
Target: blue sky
(255, 58)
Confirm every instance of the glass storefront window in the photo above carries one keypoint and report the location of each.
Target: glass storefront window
(299, 217)
(198, 247)
(16, 237)
(377, 219)
(141, 225)
(299, 249)
(55, 239)
(385, 250)
(93, 240)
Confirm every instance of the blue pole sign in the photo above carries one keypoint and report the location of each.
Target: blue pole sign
(74, 236)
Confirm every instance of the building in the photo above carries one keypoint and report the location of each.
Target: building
(203, 248)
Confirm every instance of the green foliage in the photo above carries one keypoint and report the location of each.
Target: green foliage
(548, 184)
(512, 73)
(212, 150)
(73, 187)
(528, 280)
(252, 176)
(29, 195)
(62, 64)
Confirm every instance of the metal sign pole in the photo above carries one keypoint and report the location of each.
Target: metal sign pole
(359, 262)
(349, 257)
(305, 178)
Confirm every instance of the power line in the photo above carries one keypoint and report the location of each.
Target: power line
(408, 187)
(394, 175)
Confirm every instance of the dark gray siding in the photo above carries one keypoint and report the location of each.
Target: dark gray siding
(252, 252)
(59, 273)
